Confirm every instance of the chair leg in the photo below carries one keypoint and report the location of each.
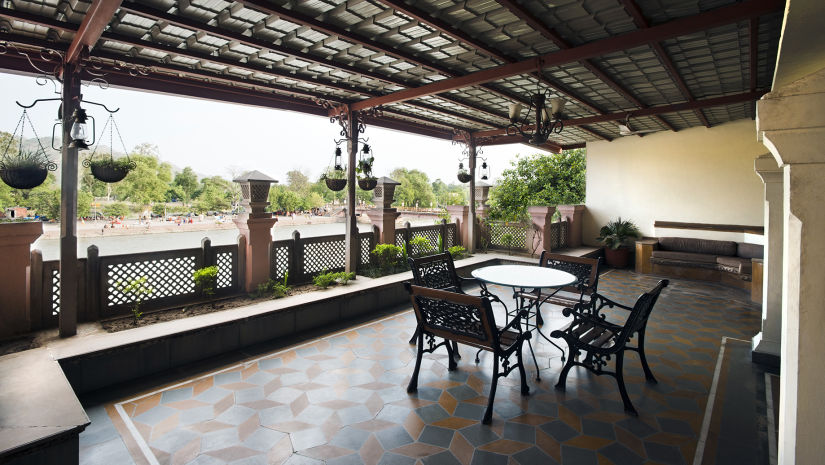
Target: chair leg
(533, 354)
(488, 415)
(539, 319)
(415, 335)
(561, 384)
(451, 365)
(413, 386)
(628, 406)
(456, 353)
(525, 389)
(648, 374)
(478, 360)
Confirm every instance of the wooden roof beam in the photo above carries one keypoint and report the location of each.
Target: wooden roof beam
(94, 22)
(651, 111)
(520, 12)
(675, 28)
(642, 23)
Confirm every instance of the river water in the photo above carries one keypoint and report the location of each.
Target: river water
(139, 243)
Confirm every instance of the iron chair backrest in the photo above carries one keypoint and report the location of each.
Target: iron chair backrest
(637, 320)
(436, 272)
(586, 270)
(459, 317)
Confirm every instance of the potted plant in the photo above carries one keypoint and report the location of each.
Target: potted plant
(366, 180)
(335, 178)
(109, 169)
(24, 171)
(615, 235)
(463, 175)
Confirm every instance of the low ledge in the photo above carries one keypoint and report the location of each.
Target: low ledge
(39, 412)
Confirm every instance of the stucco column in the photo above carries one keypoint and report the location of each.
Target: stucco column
(766, 345)
(15, 244)
(791, 124)
(573, 215)
(458, 215)
(542, 217)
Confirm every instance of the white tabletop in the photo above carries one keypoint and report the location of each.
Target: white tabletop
(527, 276)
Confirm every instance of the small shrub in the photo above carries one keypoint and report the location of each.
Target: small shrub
(457, 252)
(324, 279)
(278, 290)
(387, 256)
(207, 279)
(139, 290)
(273, 288)
(507, 240)
(420, 246)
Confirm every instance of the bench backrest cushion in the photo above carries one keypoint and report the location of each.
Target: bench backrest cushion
(454, 316)
(705, 246)
(745, 250)
(435, 271)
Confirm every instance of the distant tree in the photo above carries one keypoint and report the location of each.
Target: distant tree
(297, 181)
(415, 188)
(148, 182)
(84, 204)
(185, 184)
(116, 209)
(213, 195)
(539, 179)
(449, 194)
(313, 200)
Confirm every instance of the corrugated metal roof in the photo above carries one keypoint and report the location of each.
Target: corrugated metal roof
(350, 50)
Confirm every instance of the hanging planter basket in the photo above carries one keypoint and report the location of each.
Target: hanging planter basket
(335, 184)
(464, 177)
(24, 177)
(367, 184)
(109, 170)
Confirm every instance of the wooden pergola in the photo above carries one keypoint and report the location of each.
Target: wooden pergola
(447, 69)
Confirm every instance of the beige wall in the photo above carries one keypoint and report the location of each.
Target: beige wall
(698, 175)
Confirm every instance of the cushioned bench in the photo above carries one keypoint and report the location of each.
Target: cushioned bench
(728, 262)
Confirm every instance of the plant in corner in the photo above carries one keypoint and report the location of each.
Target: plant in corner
(615, 236)
(138, 290)
(420, 246)
(366, 180)
(206, 279)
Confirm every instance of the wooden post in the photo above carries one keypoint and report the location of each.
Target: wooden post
(351, 231)
(36, 289)
(443, 232)
(92, 279)
(68, 206)
(471, 220)
(207, 255)
(296, 256)
(240, 274)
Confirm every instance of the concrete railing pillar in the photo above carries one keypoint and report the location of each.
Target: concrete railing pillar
(256, 226)
(791, 124)
(573, 215)
(15, 245)
(458, 214)
(766, 345)
(542, 217)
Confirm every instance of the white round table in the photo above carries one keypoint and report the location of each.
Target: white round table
(523, 276)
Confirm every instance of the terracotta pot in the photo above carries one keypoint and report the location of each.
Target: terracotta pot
(617, 258)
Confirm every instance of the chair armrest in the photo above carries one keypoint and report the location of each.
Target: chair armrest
(462, 281)
(599, 302)
(515, 322)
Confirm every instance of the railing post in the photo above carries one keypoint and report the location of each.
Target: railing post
(15, 250)
(240, 276)
(92, 283)
(443, 232)
(407, 237)
(296, 258)
(36, 289)
(542, 217)
(376, 234)
(207, 255)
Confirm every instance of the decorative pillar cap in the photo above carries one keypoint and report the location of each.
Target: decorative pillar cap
(254, 175)
(388, 181)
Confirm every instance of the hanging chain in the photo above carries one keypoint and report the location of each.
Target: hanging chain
(19, 122)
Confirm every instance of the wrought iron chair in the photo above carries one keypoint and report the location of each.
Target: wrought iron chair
(590, 332)
(586, 271)
(437, 272)
(469, 320)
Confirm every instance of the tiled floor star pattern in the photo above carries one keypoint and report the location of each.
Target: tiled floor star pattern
(342, 399)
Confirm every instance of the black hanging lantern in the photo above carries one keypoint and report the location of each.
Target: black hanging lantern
(27, 169)
(485, 171)
(336, 177)
(79, 129)
(463, 174)
(366, 180)
(539, 122)
(108, 169)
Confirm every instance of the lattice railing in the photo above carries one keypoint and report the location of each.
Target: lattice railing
(431, 233)
(452, 235)
(558, 234)
(226, 259)
(279, 261)
(503, 235)
(326, 253)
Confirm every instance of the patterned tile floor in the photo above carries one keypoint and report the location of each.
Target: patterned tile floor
(341, 399)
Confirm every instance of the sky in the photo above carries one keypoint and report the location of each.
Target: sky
(215, 138)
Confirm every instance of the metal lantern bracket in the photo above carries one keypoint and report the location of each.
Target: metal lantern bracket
(60, 116)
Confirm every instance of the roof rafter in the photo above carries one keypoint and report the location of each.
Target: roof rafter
(650, 111)
(641, 22)
(520, 12)
(675, 28)
(94, 22)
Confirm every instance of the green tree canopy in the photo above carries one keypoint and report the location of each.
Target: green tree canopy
(297, 181)
(554, 179)
(185, 184)
(415, 188)
(148, 182)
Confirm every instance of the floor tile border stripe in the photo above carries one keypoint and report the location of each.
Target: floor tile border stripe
(141, 443)
(700, 445)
